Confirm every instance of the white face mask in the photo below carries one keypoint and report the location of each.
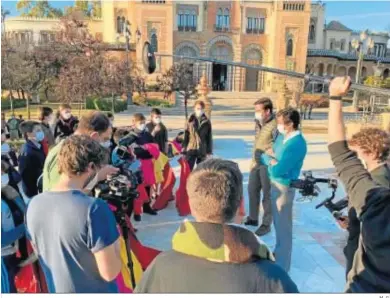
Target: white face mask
(106, 144)
(281, 129)
(157, 120)
(141, 127)
(198, 113)
(5, 148)
(66, 115)
(4, 180)
(258, 116)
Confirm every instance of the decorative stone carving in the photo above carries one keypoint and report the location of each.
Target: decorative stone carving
(203, 91)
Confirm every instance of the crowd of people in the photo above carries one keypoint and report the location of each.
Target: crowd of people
(76, 239)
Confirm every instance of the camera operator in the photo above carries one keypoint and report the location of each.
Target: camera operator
(370, 269)
(98, 127)
(372, 146)
(74, 235)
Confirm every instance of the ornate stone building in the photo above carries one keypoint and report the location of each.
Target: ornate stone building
(270, 33)
(331, 52)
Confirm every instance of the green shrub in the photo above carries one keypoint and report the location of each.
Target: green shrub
(17, 103)
(105, 104)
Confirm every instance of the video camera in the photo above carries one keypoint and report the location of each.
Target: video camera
(308, 188)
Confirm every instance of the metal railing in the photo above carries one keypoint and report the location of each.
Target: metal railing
(186, 28)
(254, 31)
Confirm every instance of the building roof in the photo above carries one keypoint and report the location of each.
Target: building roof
(337, 26)
(343, 56)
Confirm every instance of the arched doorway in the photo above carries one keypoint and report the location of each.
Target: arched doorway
(386, 73)
(188, 49)
(352, 73)
(341, 71)
(220, 49)
(329, 70)
(320, 70)
(363, 75)
(253, 56)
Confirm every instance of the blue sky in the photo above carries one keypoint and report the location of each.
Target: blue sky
(357, 15)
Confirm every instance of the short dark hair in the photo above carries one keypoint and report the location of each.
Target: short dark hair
(93, 122)
(77, 152)
(110, 115)
(290, 115)
(28, 126)
(215, 190)
(201, 103)
(138, 117)
(44, 112)
(266, 102)
(155, 111)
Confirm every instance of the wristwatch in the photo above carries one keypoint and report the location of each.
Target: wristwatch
(335, 97)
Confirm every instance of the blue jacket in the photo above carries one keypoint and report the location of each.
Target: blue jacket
(290, 156)
(31, 161)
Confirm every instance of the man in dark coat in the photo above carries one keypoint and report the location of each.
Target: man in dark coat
(198, 136)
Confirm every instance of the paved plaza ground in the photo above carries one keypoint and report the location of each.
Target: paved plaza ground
(317, 259)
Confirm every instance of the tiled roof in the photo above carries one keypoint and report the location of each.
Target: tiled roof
(343, 56)
(337, 26)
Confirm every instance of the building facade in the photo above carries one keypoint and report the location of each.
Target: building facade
(269, 33)
(330, 48)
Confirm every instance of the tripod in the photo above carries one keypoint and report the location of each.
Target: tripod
(120, 216)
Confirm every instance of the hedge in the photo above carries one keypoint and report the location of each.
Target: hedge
(17, 103)
(105, 104)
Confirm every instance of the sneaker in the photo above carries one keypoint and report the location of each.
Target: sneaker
(148, 210)
(137, 217)
(263, 230)
(251, 222)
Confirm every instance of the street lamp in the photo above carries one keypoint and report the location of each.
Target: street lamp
(362, 46)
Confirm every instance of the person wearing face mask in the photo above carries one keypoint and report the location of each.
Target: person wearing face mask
(8, 155)
(77, 240)
(284, 165)
(32, 157)
(266, 134)
(66, 122)
(47, 118)
(12, 228)
(198, 136)
(93, 124)
(372, 146)
(158, 130)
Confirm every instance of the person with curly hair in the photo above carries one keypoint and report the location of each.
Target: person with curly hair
(372, 146)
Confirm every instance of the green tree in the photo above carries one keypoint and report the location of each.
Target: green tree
(87, 8)
(38, 9)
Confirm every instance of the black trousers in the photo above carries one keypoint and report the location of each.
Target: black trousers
(11, 263)
(193, 160)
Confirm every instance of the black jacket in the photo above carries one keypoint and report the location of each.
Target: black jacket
(161, 138)
(370, 271)
(31, 161)
(64, 129)
(174, 272)
(381, 176)
(140, 138)
(198, 129)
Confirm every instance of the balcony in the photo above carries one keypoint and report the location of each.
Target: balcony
(219, 28)
(254, 31)
(186, 28)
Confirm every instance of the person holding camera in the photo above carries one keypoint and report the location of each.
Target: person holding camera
(372, 146)
(370, 270)
(75, 236)
(98, 127)
(198, 136)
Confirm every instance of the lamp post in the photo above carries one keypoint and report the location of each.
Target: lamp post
(362, 46)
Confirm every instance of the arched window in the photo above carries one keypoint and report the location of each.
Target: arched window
(226, 18)
(219, 18)
(194, 20)
(289, 50)
(331, 46)
(119, 27)
(312, 32)
(154, 42)
(342, 45)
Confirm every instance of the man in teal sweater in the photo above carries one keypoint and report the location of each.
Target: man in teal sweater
(284, 165)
